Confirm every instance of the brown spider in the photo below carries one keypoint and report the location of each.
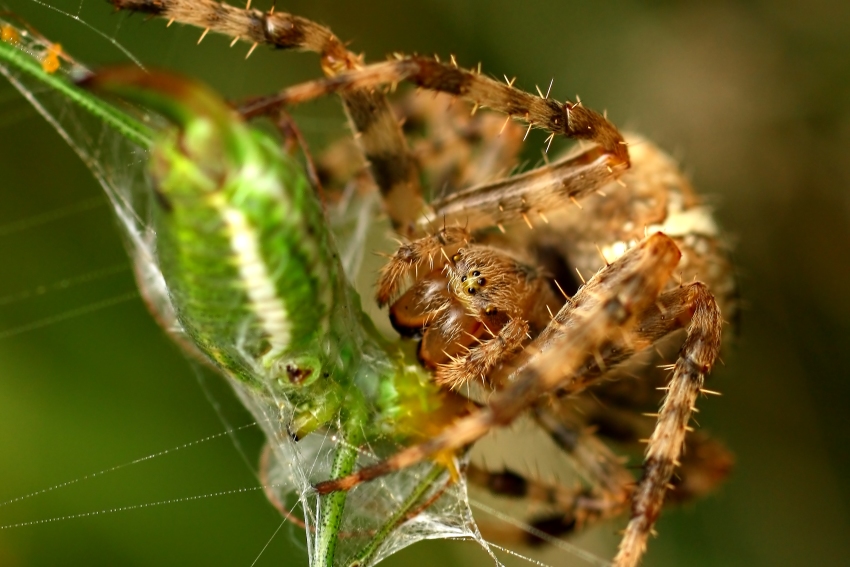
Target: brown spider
(493, 294)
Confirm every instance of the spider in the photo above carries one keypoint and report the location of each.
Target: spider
(490, 276)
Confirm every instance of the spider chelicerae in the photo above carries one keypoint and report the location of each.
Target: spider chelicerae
(537, 296)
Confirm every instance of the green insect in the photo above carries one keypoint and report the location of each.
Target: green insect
(254, 286)
(239, 262)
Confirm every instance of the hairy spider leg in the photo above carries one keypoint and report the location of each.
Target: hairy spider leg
(420, 254)
(457, 148)
(531, 194)
(569, 119)
(453, 148)
(604, 471)
(495, 202)
(378, 132)
(705, 461)
(696, 360)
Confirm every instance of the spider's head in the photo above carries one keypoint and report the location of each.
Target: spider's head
(487, 281)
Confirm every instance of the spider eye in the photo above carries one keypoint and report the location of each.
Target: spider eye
(476, 273)
(463, 279)
(471, 291)
(481, 281)
(456, 258)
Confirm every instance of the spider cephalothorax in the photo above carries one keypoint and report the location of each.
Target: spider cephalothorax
(474, 309)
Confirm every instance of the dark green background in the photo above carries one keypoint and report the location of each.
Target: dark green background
(751, 97)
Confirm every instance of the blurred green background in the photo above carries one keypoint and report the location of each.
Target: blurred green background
(752, 97)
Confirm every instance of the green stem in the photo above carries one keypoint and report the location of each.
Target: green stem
(333, 505)
(399, 516)
(120, 121)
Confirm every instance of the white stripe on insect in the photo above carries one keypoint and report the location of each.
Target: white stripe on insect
(258, 284)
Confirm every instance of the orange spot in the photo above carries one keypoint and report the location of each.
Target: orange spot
(8, 34)
(50, 60)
